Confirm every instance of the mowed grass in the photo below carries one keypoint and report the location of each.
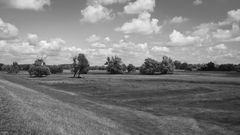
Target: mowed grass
(182, 103)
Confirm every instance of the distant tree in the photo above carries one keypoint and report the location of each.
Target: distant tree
(210, 66)
(56, 69)
(80, 65)
(150, 66)
(39, 68)
(131, 68)
(124, 68)
(114, 65)
(24, 67)
(167, 65)
(238, 68)
(14, 68)
(1, 65)
(177, 64)
(184, 66)
(226, 67)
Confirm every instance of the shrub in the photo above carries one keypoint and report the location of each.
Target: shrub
(55, 69)
(131, 68)
(39, 69)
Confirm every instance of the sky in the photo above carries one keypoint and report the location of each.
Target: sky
(193, 31)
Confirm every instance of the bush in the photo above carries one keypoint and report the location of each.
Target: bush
(39, 71)
(131, 68)
(56, 69)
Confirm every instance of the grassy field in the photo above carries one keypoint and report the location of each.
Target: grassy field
(187, 103)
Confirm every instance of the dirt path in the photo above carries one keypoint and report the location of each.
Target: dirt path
(64, 113)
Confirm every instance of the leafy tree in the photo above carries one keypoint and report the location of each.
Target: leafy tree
(80, 65)
(184, 66)
(177, 64)
(167, 65)
(124, 68)
(1, 65)
(131, 68)
(210, 66)
(39, 69)
(114, 65)
(150, 66)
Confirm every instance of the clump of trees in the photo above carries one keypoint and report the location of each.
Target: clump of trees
(55, 69)
(115, 65)
(14, 68)
(1, 66)
(80, 65)
(39, 69)
(131, 68)
(151, 66)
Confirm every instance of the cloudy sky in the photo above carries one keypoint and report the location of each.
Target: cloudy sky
(194, 31)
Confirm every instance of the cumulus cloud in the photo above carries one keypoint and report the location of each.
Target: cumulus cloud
(27, 4)
(197, 2)
(142, 25)
(98, 45)
(107, 39)
(177, 38)
(95, 13)
(139, 6)
(234, 14)
(178, 19)
(7, 30)
(106, 2)
(160, 49)
(93, 38)
(32, 39)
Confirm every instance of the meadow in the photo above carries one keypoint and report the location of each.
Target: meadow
(187, 103)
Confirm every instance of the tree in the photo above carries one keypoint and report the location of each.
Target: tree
(150, 66)
(124, 68)
(131, 68)
(210, 66)
(1, 66)
(167, 65)
(177, 64)
(39, 68)
(80, 65)
(114, 65)
(55, 69)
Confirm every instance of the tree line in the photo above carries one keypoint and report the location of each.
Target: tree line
(114, 65)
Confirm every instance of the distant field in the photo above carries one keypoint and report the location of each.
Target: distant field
(188, 103)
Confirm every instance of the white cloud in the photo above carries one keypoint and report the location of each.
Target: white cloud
(217, 48)
(27, 4)
(93, 38)
(107, 2)
(160, 49)
(107, 39)
(142, 25)
(32, 38)
(177, 38)
(197, 2)
(98, 45)
(139, 6)
(178, 19)
(95, 13)
(234, 14)
(7, 30)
